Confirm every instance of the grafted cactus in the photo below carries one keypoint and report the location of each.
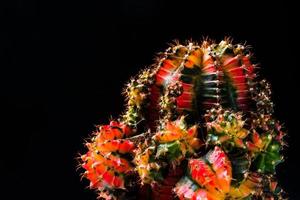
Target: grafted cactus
(198, 124)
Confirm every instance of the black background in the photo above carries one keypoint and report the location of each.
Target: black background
(64, 64)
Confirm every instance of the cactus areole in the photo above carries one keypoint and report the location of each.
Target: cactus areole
(198, 125)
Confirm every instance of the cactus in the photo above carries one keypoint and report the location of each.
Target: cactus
(168, 147)
(198, 124)
(107, 163)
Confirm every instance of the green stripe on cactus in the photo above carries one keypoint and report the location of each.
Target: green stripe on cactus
(227, 142)
(157, 175)
(266, 161)
(240, 164)
(229, 92)
(188, 74)
(192, 76)
(209, 85)
(170, 151)
(205, 87)
(278, 191)
(248, 198)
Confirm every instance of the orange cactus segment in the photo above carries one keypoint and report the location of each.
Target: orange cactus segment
(239, 142)
(104, 171)
(100, 169)
(109, 146)
(94, 181)
(167, 136)
(192, 132)
(108, 133)
(174, 126)
(273, 185)
(176, 130)
(122, 146)
(126, 146)
(230, 62)
(257, 144)
(108, 177)
(222, 167)
(202, 173)
(250, 186)
(126, 130)
(103, 163)
(119, 164)
(248, 65)
(142, 163)
(118, 182)
(195, 58)
(94, 173)
(215, 176)
(171, 133)
(257, 141)
(251, 147)
(115, 130)
(196, 143)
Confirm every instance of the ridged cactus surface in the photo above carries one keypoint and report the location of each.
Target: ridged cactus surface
(198, 125)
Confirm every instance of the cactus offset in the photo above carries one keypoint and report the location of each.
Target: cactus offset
(198, 124)
(167, 148)
(106, 162)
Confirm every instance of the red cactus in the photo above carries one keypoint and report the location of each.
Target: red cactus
(198, 125)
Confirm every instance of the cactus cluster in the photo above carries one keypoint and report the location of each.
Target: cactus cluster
(198, 124)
